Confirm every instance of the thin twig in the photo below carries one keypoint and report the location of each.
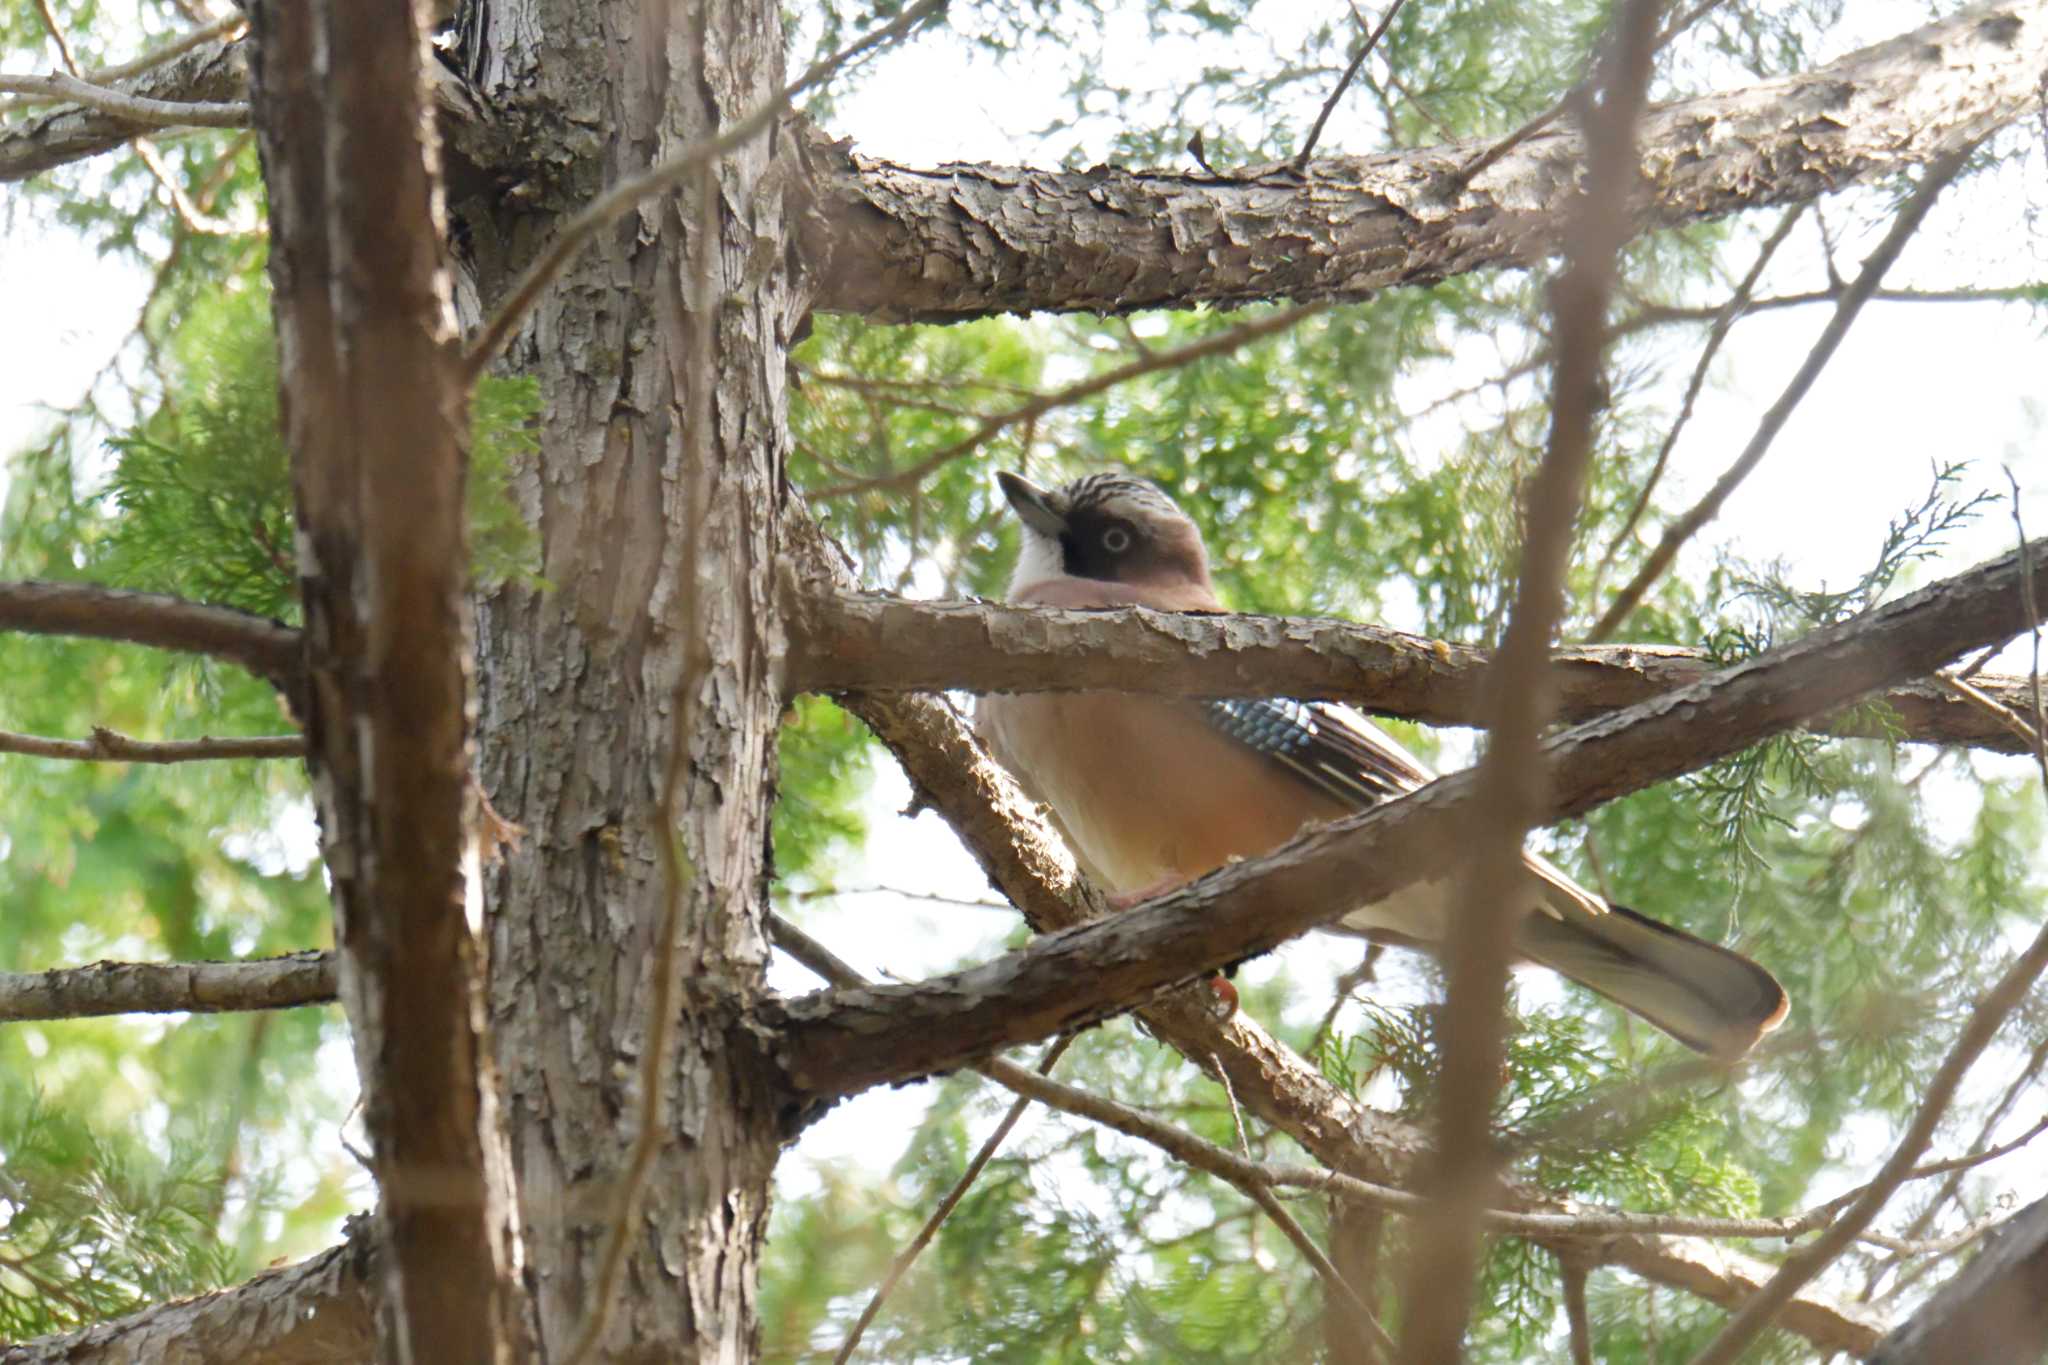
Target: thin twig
(58, 36)
(938, 1215)
(1217, 344)
(1315, 132)
(1938, 176)
(106, 746)
(223, 27)
(131, 108)
(1464, 1169)
(1724, 320)
(624, 195)
(1810, 1260)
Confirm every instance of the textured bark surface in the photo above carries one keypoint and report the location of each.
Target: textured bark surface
(375, 418)
(964, 241)
(1996, 1308)
(839, 1042)
(869, 642)
(302, 978)
(578, 683)
(318, 1312)
(267, 648)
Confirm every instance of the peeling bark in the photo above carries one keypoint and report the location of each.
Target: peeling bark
(874, 643)
(964, 241)
(318, 1312)
(578, 682)
(214, 73)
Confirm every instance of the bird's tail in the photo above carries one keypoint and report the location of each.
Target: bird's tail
(1709, 998)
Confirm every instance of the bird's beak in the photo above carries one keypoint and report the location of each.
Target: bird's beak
(1034, 506)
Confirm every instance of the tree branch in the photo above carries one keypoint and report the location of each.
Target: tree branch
(267, 648)
(213, 73)
(275, 983)
(880, 645)
(838, 1043)
(1024, 859)
(318, 1312)
(1995, 1308)
(904, 244)
(106, 746)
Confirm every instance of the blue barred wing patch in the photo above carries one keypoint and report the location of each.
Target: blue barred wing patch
(1331, 748)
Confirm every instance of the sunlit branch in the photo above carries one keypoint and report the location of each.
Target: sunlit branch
(265, 647)
(302, 978)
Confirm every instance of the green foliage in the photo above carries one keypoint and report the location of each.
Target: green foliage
(203, 489)
(96, 1224)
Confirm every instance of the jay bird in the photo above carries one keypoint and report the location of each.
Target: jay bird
(1150, 792)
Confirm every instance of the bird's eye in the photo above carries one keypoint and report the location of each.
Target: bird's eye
(1116, 540)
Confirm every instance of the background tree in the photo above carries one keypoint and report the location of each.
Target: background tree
(600, 1068)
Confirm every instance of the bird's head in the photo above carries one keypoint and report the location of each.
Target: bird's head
(1110, 527)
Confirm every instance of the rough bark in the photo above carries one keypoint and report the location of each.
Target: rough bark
(375, 420)
(1996, 1308)
(840, 1042)
(965, 241)
(872, 642)
(303, 978)
(578, 682)
(317, 1312)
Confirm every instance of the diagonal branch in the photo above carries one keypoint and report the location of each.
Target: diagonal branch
(1773, 421)
(842, 1042)
(275, 983)
(267, 648)
(880, 645)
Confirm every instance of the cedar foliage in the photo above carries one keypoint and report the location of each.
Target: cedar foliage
(1332, 474)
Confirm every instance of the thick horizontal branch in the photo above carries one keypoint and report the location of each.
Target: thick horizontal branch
(873, 643)
(841, 1042)
(267, 648)
(275, 983)
(106, 746)
(963, 241)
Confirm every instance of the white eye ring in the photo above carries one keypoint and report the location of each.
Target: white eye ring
(1116, 540)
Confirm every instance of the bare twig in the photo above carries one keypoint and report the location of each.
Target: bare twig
(106, 746)
(1365, 48)
(104, 988)
(1736, 305)
(621, 197)
(1218, 344)
(224, 27)
(58, 36)
(131, 108)
(945, 1207)
(1807, 1262)
(1509, 793)
(1939, 174)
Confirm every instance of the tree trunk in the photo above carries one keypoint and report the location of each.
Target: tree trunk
(579, 682)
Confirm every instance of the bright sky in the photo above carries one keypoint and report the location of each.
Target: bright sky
(1914, 384)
